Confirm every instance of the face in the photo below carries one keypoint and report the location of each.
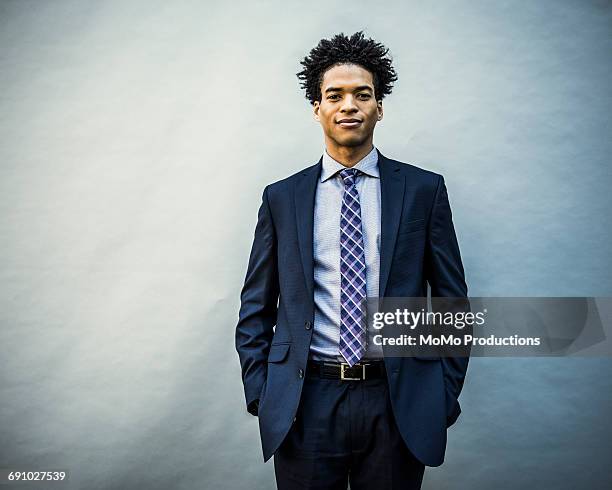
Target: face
(348, 111)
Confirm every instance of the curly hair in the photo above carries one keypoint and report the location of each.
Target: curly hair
(341, 49)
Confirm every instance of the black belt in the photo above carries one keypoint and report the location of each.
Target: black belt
(334, 370)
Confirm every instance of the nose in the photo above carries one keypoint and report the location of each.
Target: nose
(348, 104)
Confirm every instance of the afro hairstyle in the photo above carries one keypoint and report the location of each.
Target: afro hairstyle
(341, 49)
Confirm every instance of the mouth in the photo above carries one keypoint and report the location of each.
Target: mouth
(350, 123)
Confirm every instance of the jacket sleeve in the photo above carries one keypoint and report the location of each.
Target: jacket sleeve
(444, 272)
(258, 306)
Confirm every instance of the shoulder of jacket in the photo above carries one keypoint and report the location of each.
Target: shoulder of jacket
(418, 174)
(283, 184)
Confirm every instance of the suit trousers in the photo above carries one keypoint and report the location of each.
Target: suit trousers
(345, 432)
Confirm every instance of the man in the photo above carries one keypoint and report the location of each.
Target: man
(357, 224)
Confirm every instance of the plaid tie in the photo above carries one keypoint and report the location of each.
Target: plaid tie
(352, 272)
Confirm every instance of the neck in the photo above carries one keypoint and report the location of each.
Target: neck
(348, 156)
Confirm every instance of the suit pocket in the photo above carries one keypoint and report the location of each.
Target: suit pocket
(278, 352)
(412, 226)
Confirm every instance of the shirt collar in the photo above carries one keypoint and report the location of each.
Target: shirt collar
(367, 165)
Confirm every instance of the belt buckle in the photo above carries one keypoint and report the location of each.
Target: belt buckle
(344, 365)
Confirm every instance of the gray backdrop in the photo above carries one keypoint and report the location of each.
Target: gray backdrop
(135, 140)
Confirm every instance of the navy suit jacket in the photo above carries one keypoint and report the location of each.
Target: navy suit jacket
(418, 246)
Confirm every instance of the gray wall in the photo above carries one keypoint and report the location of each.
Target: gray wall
(135, 140)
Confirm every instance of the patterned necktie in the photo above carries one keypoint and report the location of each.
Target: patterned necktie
(352, 272)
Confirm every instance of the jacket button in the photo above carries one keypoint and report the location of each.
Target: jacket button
(308, 325)
(301, 373)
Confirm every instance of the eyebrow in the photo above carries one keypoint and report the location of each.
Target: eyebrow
(357, 89)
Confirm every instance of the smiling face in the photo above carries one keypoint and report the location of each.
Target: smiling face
(348, 110)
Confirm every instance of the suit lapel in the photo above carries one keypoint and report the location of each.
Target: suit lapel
(392, 185)
(305, 190)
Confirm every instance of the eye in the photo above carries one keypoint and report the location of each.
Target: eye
(333, 97)
(364, 96)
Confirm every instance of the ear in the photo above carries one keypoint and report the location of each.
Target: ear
(316, 106)
(379, 108)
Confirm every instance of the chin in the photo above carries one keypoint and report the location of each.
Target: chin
(351, 142)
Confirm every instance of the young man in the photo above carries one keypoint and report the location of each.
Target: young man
(356, 224)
